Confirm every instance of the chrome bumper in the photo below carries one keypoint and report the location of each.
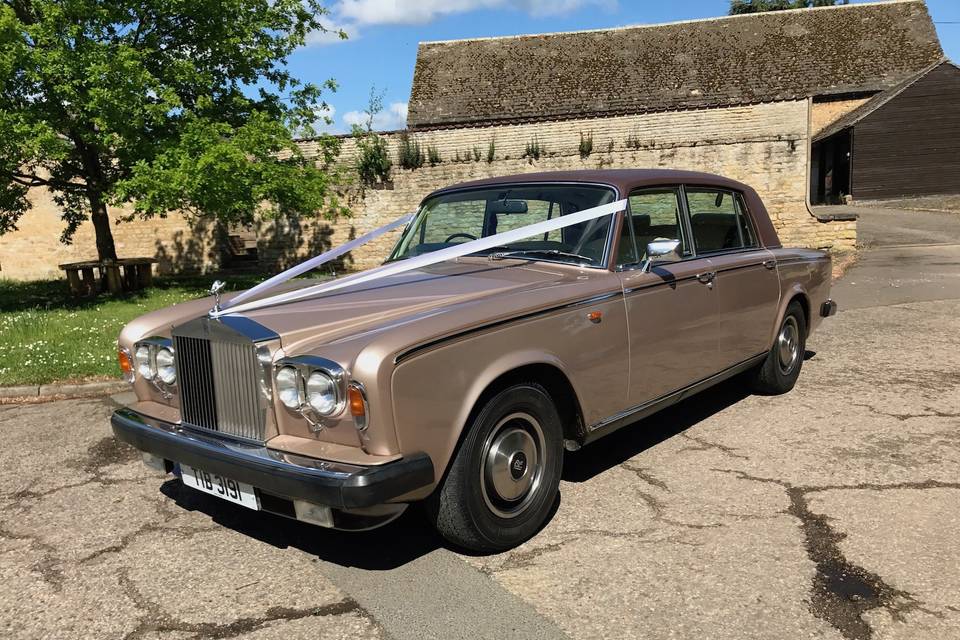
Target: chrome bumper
(335, 484)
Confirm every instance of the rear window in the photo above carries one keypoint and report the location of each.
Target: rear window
(719, 221)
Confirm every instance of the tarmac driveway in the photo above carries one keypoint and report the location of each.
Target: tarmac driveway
(830, 512)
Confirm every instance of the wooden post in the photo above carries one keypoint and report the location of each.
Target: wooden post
(145, 274)
(112, 273)
(73, 278)
(89, 282)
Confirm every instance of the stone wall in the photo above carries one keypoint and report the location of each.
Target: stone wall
(762, 145)
(34, 251)
(825, 112)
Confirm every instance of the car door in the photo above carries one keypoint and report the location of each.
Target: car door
(746, 284)
(672, 308)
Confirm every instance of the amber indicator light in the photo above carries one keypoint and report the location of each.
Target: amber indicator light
(126, 365)
(356, 402)
(595, 316)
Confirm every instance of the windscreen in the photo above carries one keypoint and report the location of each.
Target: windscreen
(461, 216)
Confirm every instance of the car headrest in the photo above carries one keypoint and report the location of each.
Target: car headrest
(725, 219)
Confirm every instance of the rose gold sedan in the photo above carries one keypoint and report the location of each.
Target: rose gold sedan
(459, 384)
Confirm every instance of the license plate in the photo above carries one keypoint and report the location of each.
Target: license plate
(216, 485)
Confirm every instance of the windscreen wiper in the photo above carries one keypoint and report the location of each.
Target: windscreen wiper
(529, 254)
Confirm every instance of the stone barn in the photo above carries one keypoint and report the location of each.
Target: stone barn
(902, 142)
(743, 96)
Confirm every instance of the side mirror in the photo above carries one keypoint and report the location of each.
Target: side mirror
(662, 250)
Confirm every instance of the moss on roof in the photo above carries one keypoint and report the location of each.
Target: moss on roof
(737, 60)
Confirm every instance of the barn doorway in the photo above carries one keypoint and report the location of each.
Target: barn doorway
(830, 168)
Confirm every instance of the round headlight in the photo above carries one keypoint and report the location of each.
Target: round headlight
(288, 387)
(322, 393)
(142, 359)
(166, 370)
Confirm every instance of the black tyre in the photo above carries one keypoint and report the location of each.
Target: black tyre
(779, 372)
(502, 482)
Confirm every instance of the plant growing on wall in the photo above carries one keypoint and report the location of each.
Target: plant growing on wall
(373, 157)
(476, 154)
(143, 104)
(409, 153)
(586, 145)
(433, 156)
(534, 149)
(491, 151)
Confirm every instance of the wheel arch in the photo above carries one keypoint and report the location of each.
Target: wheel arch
(798, 293)
(557, 385)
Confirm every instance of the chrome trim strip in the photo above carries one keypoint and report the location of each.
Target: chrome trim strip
(411, 351)
(796, 260)
(651, 406)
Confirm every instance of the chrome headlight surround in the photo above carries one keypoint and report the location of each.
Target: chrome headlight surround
(304, 367)
(155, 361)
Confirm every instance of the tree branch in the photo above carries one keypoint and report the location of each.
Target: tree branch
(31, 180)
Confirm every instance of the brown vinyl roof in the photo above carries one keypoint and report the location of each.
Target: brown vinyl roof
(623, 179)
(766, 57)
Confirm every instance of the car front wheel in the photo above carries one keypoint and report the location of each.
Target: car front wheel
(502, 482)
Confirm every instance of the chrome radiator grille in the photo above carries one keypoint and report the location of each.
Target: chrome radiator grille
(220, 386)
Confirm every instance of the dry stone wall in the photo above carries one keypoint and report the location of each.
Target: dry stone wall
(763, 145)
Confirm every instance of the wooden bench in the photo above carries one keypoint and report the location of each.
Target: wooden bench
(126, 274)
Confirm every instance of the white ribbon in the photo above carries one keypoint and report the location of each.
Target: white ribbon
(314, 262)
(427, 259)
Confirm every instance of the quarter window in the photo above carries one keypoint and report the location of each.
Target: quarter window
(718, 219)
(654, 214)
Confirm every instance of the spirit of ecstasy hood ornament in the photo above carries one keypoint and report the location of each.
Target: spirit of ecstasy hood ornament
(215, 290)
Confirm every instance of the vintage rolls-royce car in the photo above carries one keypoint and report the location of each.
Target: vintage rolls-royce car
(459, 382)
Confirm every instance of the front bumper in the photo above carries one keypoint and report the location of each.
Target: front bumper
(334, 484)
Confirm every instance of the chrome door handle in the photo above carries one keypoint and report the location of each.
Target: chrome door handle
(770, 264)
(707, 277)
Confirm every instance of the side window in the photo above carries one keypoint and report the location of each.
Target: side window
(654, 214)
(718, 220)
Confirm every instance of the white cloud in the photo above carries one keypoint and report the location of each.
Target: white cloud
(391, 118)
(332, 34)
(367, 12)
(325, 122)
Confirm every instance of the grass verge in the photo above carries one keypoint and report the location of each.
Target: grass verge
(47, 336)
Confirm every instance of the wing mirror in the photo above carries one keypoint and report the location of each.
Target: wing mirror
(660, 251)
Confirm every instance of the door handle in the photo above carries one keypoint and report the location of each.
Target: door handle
(707, 277)
(770, 264)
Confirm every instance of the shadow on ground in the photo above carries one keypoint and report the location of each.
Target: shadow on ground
(403, 540)
(410, 536)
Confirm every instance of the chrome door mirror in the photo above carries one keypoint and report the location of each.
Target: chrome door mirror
(662, 250)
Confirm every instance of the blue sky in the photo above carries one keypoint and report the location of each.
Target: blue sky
(382, 46)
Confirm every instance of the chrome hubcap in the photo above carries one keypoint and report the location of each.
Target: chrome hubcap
(512, 465)
(788, 344)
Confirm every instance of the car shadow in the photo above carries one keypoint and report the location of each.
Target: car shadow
(410, 536)
(398, 543)
(625, 443)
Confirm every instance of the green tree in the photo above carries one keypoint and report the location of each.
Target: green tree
(184, 105)
(758, 6)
